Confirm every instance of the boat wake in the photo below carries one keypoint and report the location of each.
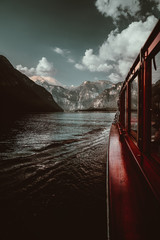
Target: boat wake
(52, 179)
(67, 176)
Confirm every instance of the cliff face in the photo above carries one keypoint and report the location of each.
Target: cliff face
(97, 95)
(20, 94)
(107, 100)
(77, 98)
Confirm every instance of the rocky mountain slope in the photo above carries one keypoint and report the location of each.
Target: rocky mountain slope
(20, 94)
(81, 97)
(46, 82)
(78, 98)
(107, 100)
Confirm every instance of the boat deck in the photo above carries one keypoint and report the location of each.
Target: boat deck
(133, 209)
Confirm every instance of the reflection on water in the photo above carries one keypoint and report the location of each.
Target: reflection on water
(52, 176)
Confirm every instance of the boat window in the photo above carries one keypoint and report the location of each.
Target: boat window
(155, 117)
(123, 109)
(134, 108)
(126, 110)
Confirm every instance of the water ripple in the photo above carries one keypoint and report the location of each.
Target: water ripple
(60, 183)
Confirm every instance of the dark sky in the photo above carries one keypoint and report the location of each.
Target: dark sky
(31, 30)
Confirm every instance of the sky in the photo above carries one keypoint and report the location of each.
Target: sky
(70, 41)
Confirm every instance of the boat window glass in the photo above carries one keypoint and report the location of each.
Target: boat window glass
(123, 108)
(155, 117)
(126, 108)
(134, 108)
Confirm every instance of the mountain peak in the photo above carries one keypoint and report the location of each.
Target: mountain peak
(43, 79)
(20, 94)
(5, 62)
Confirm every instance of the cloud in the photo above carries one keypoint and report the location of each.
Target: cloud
(60, 51)
(93, 63)
(79, 66)
(123, 47)
(117, 8)
(114, 77)
(120, 49)
(70, 60)
(44, 68)
(114, 8)
(25, 70)
(64, 53)
(158, 4)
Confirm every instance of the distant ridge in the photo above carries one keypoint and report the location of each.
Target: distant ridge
(77, 98)
(107, 100)
(20, 94)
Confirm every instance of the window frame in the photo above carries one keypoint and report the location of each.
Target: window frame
(132, 133)
(152, 154)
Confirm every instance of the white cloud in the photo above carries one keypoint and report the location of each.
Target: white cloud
(93, 63)
(120, 49)
(157, 3)
(70, 60)
(128, 42)
(43, 68)
(124, 66)
(115, 9)
(60, 51)
(114, 77)
(25, 70)
(123, 47)
(103, 68)
(79, 66)
(64, 53)
(90, 59)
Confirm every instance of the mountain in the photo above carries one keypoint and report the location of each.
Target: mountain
(20, 94)
(107, 100)
(77, 98)
(46, 82)
(82, 97)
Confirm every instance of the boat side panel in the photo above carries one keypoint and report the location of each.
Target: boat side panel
(133, 207)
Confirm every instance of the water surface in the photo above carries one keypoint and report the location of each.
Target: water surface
(53, 176)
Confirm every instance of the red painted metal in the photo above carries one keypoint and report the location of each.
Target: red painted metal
(142, 67)
(140, 108)
(147, 107)
(154, 44)
(134, 174)
(151, 46)
(134, 212)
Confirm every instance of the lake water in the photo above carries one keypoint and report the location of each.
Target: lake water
(53, 176)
